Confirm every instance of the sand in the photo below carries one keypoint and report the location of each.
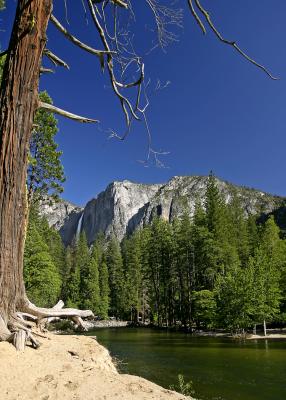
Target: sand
(71, 368)
(269, 336)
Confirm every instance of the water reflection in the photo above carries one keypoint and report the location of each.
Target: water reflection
(220, 368)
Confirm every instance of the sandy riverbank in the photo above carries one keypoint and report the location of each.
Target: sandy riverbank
(269, 336)
(70, 368)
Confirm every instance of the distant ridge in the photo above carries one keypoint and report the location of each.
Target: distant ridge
(125, 206)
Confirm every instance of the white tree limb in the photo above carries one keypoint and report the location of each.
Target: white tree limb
(56, 110)
(76, 41)
(55, 59)
(50, 312)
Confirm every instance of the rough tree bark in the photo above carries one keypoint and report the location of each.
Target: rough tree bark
(18, 103)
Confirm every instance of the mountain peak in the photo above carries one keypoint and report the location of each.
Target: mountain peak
(124, 206)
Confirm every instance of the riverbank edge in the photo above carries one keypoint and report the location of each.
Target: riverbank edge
(71, 367)
(96, 324)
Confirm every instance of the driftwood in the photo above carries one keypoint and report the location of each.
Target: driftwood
(22, 327)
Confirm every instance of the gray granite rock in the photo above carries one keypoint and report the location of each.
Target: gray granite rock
(125, 206)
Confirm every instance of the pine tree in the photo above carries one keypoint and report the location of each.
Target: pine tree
(116, 278)
(221, 244)
(72, 287)
(239, 228)
(104, 290)
(90, 289)
(131, 251)
(82, 260)
(216, 217)
(45, 172)
(267, 292)
(160, 270)
(145, 237)
(67, 272)
(103, 279)
(184, 261)
(269, 263)
(54, 243)
(253, 233)
(42, 279)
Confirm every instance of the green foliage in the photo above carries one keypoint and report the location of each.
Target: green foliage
(2, 62)
(131, 251)
(217, 269)
(86, 277)
(235, 299)
(160, 268)
(239, 229)
(116, 278)
(55, 245)
(41, 275)
(77, 282)
(104, 290)
(267, 290)
(186, 388)
(45, 172)
(90, 290)
(204, 308)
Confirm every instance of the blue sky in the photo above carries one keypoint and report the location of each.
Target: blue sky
(219, 113)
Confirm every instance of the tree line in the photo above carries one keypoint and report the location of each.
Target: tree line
(218, 269)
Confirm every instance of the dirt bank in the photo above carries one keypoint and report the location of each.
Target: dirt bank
(70, 368)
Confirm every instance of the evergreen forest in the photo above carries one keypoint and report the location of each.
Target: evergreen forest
(218, 269)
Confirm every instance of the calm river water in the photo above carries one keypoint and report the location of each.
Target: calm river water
(220, 368)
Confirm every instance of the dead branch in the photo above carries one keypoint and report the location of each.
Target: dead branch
(197, 18)
(120, 3)
(56, 110)
(44, 70)
(233, 44)
(50, 312)
(164, 17)
(55, 59)
(74, 40)
(124, 101)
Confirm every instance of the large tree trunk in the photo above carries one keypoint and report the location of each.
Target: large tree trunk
(18, 103)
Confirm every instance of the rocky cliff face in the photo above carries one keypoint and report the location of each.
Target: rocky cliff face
(63, 216)
(125, 206)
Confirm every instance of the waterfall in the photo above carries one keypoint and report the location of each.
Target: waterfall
(78, 229)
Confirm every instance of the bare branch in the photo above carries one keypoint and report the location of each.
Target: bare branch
(55, 59)
(120, 3)
(197, 18)
(44, 70)
(125, 103)
(74, 40)
(164, 17)
(56, 110)
(66, 11)
(229, 42)
(50, 312)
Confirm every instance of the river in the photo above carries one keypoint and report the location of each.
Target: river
(220, 368)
